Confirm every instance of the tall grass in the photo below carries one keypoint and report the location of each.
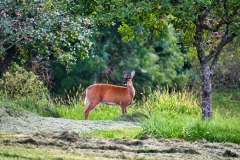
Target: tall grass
(227, 101)
(177, 115)
(183, 102)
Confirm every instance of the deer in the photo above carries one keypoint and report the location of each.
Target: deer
(110, 94)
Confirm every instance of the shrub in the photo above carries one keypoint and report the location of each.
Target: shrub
(21, 84)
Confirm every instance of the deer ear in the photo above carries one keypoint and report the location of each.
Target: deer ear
(133, 73)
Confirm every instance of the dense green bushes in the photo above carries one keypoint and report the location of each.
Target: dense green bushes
(20, 88)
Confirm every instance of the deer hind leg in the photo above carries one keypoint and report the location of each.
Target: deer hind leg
(90, 107)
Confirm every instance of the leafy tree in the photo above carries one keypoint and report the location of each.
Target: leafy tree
(205, 27)
(34, 32)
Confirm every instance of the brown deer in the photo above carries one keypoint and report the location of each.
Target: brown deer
(110, 94)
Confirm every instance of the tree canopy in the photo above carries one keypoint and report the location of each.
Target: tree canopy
(36, 31)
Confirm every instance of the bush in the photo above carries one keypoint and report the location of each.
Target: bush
(20, 84)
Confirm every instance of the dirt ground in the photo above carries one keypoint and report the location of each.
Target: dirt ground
(70, 142)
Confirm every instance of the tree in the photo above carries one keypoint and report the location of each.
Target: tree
(34, 32)
(205, 27)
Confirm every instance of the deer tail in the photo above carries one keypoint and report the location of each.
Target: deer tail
(85, 96)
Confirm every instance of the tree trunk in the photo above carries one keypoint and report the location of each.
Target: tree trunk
(206, 91)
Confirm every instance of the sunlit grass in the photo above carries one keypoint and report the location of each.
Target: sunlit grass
(183, 102)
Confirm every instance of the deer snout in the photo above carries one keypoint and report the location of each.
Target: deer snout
(124, 82)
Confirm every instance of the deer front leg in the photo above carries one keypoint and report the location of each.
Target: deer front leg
(124, 109)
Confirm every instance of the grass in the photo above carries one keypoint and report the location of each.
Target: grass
(227, 101)
(171, 115)
(191, 128)
(43, 108)
(177, 115)
(124, 133)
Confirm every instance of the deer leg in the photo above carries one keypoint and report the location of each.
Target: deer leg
(124, 109)
(89, 109)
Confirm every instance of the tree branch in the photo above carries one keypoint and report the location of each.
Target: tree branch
(216, 52)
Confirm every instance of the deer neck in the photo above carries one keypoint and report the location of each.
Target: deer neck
(131, 90)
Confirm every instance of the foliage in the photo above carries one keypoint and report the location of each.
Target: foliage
(157, 62)
(151, 16)
(21, 84)
(20, 88)
(39, 31)
(190, 128)
(183, 102)
(83, 73)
